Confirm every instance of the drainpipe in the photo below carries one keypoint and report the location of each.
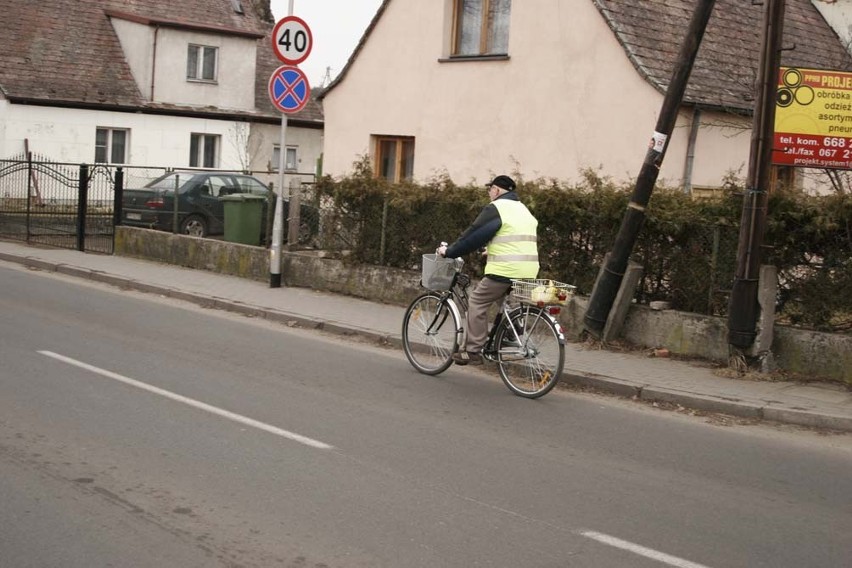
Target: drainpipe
(154, 61)
(690, 150)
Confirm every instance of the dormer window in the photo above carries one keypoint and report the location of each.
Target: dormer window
(201, 63)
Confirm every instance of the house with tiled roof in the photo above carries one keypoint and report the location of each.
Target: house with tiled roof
(147, 83)
(553, 87)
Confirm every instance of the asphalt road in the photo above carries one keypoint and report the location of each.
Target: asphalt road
(137, 431)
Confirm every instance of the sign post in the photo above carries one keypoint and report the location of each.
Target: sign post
(289, 91)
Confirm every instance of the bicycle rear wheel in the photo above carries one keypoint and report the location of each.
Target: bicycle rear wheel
(532, 365)
(431, 330)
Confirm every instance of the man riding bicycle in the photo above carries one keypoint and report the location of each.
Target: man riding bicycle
(508, 231)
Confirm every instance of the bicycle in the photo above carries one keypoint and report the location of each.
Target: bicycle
(525, 340)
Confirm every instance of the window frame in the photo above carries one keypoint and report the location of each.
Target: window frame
(276, 158)
(198, 150)
(109, 148)
(402, 170)
(484, 27)
(200, 51)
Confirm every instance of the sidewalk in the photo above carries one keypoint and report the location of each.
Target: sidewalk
(627, 374)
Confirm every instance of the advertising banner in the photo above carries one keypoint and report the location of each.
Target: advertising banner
(813, 119)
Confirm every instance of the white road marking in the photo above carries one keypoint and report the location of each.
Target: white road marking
(194, 403)
(641, 550)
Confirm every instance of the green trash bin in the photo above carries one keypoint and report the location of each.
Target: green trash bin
(243, 216)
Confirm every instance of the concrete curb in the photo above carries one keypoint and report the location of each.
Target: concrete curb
(610, 385)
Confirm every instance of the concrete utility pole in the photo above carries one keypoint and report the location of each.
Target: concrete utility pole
(612, 273)
(743, 306)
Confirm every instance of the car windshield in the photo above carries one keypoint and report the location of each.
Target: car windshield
(168, 181)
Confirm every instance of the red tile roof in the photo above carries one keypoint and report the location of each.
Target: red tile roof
(724, 73)
(66, 52)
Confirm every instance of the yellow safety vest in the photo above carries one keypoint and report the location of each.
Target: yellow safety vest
(513, 251)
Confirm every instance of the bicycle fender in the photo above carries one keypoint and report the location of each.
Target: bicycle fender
(560, 333)
(457, 315)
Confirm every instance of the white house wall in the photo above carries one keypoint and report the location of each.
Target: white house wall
(308, 143)
(137, 41)
(4, 113)
(838, 14)
(567, 99)
(164, 53)
(68, 135)
(235, 86)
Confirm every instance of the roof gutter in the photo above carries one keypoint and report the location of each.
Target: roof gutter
(183, 25)
(690, 150)
(154, 61)
(186, 113)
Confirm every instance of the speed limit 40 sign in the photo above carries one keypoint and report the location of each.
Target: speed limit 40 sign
(292, 40)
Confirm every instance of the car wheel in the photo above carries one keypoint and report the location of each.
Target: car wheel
(194, 226)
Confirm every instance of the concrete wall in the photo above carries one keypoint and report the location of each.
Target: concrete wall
(300, 269)
(812, 354)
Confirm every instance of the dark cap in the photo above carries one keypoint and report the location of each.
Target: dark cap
(503, 182)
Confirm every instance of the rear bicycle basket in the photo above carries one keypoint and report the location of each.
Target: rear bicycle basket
(438, 272)
(542, 292)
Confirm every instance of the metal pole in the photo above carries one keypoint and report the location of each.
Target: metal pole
(612, 273)
(117, 197)
(30, 179)
(743, 306)
(278, 223)
(175, 224)
(82, 206)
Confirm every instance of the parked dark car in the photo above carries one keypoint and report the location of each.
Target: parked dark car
(201, 212)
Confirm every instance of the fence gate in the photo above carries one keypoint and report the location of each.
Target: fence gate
(56, 204)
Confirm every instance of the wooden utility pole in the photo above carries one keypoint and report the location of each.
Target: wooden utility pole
(743, 306)
(612, 273)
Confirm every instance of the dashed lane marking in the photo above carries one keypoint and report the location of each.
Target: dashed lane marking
(194, 403)
(641, 550)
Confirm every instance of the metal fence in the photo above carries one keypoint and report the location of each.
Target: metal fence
(78, 205)
(58, 204)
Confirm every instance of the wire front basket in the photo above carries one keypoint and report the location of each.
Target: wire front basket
(438, 272)
(542, 292)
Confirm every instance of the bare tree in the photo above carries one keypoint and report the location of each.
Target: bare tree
(246, 141)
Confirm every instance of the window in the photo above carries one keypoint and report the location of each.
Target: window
(204, 151)
(395, 158)
(111, 146)
(201, 62)
(250, 185)
(290, 163)
(481, 27)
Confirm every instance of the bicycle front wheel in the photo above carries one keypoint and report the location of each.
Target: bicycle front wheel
(431, 330)
(530, 358)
